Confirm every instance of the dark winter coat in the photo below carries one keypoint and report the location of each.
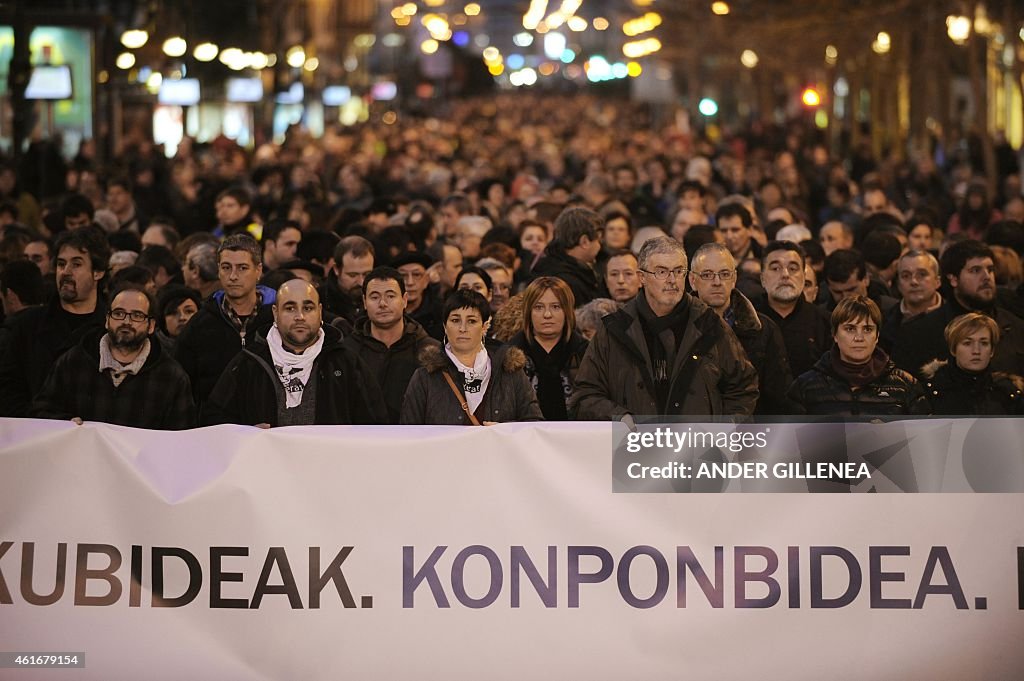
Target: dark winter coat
(762, 341)
(159, 397)
(823, 392)
(951, 391)
(509, 397)
(249, 391)
(392, 366)
(209, 341)
(807, 333)
(577, 347)
(922, 339)
(711, 375)
(38, 336)
(577, 274)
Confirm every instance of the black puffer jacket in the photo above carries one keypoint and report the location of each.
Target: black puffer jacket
(951, 391)
(823, 392)
(509, 397)
(393, 366)
(762, 341)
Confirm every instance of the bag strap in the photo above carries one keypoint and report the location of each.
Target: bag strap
(462, 402)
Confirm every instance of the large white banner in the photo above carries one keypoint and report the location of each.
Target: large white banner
(477, 553)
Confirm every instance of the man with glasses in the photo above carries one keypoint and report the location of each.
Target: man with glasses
(119, 374)
(713, 279)
(664, 353)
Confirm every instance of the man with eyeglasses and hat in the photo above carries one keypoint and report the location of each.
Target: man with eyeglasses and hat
(665, 353)
(120, 374)
(713, 280)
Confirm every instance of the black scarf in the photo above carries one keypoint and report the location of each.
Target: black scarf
(859, 375)
(662, 356)
(550, 388)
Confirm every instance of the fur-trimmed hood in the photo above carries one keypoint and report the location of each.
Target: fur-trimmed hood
(511, 359)
(744, 313)
(929, 370)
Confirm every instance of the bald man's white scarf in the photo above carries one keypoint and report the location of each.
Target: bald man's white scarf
(293, 370)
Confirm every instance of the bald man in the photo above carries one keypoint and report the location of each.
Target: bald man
(300, 374)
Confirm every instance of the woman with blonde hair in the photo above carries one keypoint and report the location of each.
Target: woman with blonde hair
(552, 346)
(965, 384)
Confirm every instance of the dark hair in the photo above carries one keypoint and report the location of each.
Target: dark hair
(155, 257)
(575, 223)
(275, 279)
(239, 194)
(1007, 233)
(883, 222)
(691, 186)
(318, 245)
(619, 215)
(135, 275)
(90, 239)
(272, 230)
(357, 246)
(170, 298)
(697, 236)
(734, 210)
(241, 241)
(120, 287)
(125, 240)
(852, 308)
(472, 269)
(119, 181)
(840, 264)
(463, 298)
(813, 251)
(955, 258)
(77, 204)
(773, 246)
(881, 249)
(384, 274)
(24, 278)
(500, 234)
(459, 201)
(10, 208)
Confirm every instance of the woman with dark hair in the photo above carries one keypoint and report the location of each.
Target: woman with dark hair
(856, 377)
(466, 382)
(471, 278)
(975, 214)
(175, 306)
(552, 346)
(965, 385)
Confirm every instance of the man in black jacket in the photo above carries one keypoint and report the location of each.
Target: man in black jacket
(300, 374)
(42, 334)
(230, 319)
(120, 376)
(573, 251)
(806, 329)
(713, 279)
(388, 341)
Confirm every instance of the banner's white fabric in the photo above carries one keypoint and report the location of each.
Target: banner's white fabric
(546, 574)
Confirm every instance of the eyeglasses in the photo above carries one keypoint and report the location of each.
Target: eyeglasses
(724, 275)
(661, 274)
(119, 315)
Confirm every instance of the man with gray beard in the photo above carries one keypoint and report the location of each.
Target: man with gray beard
(806, 329)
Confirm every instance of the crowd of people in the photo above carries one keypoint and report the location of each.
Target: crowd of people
(511, 259)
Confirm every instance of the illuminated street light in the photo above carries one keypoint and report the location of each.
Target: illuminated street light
(882, 44)
(312, 64)
(749, 58)
(601, 24)
(810, 97)
(720, 8)
(472, 9)
(831, 55)
(296, 57)
(205, 52)
(958, 28)
(134, 39)
(429, 46)
(577, 24)
(125, 60)
(175, 47)
(708, 106)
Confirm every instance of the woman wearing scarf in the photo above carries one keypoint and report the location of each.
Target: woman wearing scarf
(965, 385)
(552, 346)
(856, 377)
(466, 382)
